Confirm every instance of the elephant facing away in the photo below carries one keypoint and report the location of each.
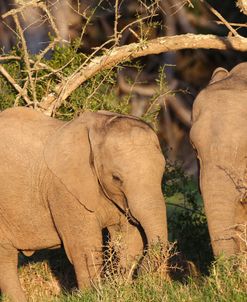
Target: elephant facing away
(219, 133)
(63, 182)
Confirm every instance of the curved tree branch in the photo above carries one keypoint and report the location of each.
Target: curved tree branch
(114, 56)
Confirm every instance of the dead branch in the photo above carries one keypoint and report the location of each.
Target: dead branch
(113, 57)
(26, 59)
(233, 24)
(144, 90)
(12, 12)
(18, 88)
(37, 64)
(221, 18)
(51, 20)
(8, 58)
(116, 22)
(178, 106)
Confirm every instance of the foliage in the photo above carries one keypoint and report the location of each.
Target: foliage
(7, 92)
(97, 93)
(186, 219)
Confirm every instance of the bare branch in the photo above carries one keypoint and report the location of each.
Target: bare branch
(26, 58)
(144, 90)
(24, 89)
(117, 55)
(183, 113)
(18, 88)
(233, 24)
(51, 20)
(116, 22)
(8, 58)
(12, 12)
(221, 18)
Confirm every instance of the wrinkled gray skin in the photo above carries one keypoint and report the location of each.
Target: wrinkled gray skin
(219, 133)
(63, 182)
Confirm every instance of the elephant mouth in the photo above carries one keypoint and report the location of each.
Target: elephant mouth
(131, 218)
(124, 209)
(243, 198)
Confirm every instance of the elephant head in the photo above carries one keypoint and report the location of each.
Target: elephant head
(118, 156)
(219, 135)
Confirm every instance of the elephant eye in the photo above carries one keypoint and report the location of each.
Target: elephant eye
(117, 178)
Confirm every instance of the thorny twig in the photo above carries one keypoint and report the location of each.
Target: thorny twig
(240, 183)
(26, 60)
(88, 20)
(21, 91)
(221, 18)
(233, 24)
(51, 19)
(15, 11)
(37, 64)
(19, 95)
(116, 36)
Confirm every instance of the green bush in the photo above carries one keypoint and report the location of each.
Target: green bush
(186, 219)
(97, 93)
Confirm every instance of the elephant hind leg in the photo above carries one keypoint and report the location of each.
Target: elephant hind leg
(9, 281)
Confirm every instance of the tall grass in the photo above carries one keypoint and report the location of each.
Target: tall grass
(227, 281)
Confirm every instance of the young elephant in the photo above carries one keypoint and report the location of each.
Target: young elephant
(63, 182)
(219, 133)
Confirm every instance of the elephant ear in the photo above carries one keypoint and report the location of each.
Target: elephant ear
(97, 130)
(219, 74)
(98, 124)
(67, 156)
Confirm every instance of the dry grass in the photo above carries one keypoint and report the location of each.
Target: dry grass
(38, 282)
(41, 283)
(227, 280)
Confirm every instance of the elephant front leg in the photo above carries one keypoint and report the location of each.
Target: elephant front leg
(86, 256)
(80, 234)
(9, 281)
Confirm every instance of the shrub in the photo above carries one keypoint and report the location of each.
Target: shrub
(186, 219)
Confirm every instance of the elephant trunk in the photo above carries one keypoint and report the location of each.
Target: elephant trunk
(150, 211)
(220, 198)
